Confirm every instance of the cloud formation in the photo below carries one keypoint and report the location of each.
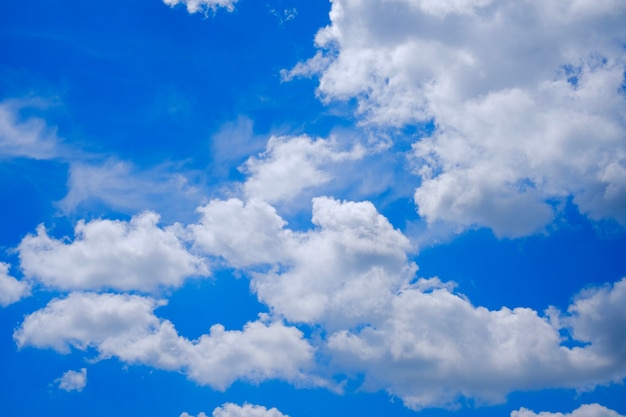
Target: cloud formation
(587, 410)
(11, 290)
(203, 6)
(527, 108)
(29, 138)
(125, 326)
(108, 254)
(246, 410)
(415, 338)
(121, 186)
(73, 380)
(291, 165)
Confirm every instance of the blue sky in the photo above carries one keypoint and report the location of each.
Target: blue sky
(301, 208)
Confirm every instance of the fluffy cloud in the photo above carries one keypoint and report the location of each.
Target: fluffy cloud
(30, 138)
(134, 255)
(203, 6)
(73, 380)
(343, 272)
(526, 106)
(243, 233)
(416, 339)
(434, 346)
(338, 273)
(11, 290)
(125, 326)
(597, 316)
(246, 410)
(587, 410)
(290, 165)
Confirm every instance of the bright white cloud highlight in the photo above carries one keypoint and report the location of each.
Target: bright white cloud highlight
(527, 107)
(125, 326)
(246, 410)
(291, 165)
(587, 410)
(73, 380)
(11, 290)
(30, 138)
(134, 255)
(203, 6)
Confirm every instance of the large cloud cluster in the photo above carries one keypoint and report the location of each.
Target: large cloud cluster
(349, 276)
(527, 100)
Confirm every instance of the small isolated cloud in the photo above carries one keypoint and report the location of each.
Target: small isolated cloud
(134, 255)
(186, 414)
(29, 138)
(11, 290)
(73, 380)
(587, 410)
(203, 6)
(246, 410)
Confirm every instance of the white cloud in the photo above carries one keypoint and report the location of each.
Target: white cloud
(418, 340)
(73, 380)
(246, 410)
(122, 186)
(597, 316)
(527, 106)
(30, 138)
(290, 165)
(11, 290)
(134, 255)
(124, 326)
(434, 346)
(343, 272)
(203, 6)
(586, 410)
(186, 414)
(242, 233)
(338, 273)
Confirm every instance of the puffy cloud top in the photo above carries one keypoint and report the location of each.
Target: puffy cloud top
(134, 255)
(527, 106)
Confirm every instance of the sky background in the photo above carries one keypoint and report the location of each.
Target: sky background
(311, 208)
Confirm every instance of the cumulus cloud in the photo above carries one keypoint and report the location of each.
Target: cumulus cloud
(527, 107)
(134, 255)
(433, 347)
(29, 138)
(290, 165)
(11, 290)
(203, 6)
(415, 338)
(73, 380)
(341, 273)
(243, 233)
(337, 273)
(125, 326)
(246, 410)
(586, 410)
